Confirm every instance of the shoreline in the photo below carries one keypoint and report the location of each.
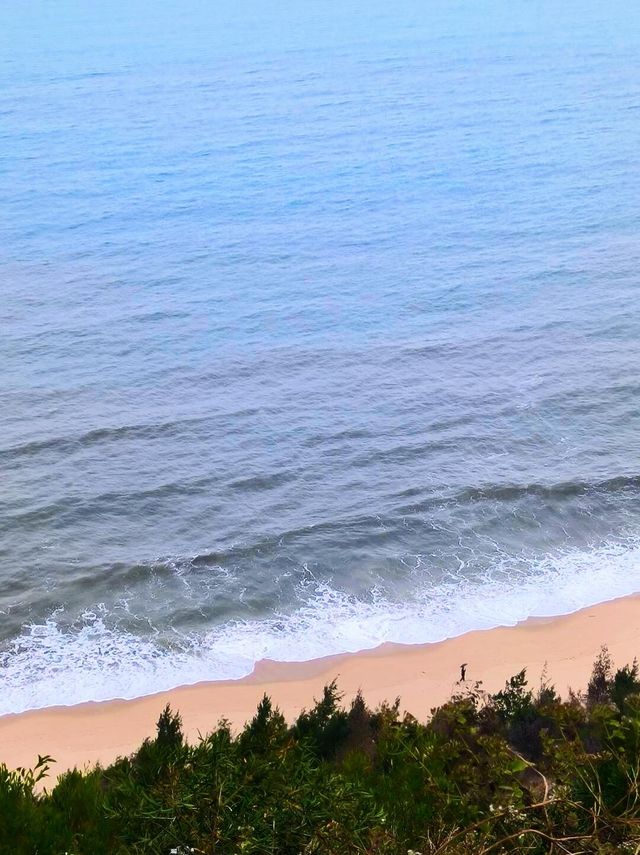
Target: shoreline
(422, 675)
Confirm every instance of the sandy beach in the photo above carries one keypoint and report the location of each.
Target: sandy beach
(423, 676)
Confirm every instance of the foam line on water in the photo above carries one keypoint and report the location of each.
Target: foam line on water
(48, 665)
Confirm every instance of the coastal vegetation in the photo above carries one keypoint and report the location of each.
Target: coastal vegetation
(521, 771)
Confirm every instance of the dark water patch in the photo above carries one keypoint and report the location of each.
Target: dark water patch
(514, 492)
(400, 454)
(116, 504)
(263, 482)
(65, 445)
(343, 436)
(106, 435)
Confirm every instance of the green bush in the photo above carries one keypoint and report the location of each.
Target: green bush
(509, 772)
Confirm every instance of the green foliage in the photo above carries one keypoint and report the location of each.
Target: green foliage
(600, 682)
(266, 730)
(515, 702)
(325, 727)
(510, 772)
(169, 727)
(625, 683)
(19, 808)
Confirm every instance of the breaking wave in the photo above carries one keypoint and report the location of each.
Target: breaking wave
(95, 661)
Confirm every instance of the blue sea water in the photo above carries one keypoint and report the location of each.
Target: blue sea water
(318, 328)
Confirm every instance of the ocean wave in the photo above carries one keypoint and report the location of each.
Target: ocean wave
(63, 445)
(509, 492)
(50, 665)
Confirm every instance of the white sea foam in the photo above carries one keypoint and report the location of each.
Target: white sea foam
(48, 665)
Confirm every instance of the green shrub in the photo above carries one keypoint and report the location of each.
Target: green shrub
(509, 772)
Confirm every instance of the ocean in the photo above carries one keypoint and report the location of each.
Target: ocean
(319, 328)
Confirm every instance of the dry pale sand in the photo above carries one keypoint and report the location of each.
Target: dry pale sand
(422, 675)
